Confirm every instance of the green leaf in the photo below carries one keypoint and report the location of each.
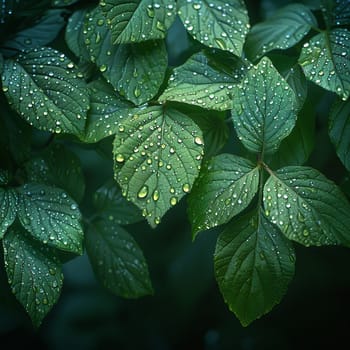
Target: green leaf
(198, 82)
(43, 32)
(107, 111)
(117, 260)
(297, 81)
(157, 156)
(339, 130)
(264, 111)
(15, 136)
(254, 264)
(4, 177)
(307, 207)
(62, 3)
(138, 20)
(283, 30)
(8, 209)
(214, 127)
(296, 148)
(220, 24)
(225, 187)
(112, 207)
(75, 36)
(34, 273)
(51, 216)
(325, 61)
(336, 12)
(44, 87)
(57, 166)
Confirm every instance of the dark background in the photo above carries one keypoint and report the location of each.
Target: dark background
(187, 310)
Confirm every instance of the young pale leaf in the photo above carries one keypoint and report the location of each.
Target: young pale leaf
(265, 108)
(44, 87)
(199, 83)
(107, 111)
(157, 156)
(113, 207)
(51, 216)
(138, 20)
(339, 130)
(57, 166)
(336, 12)
(136, 71)
(220, 24)
(307, 207)
(254, 263)
(117, 260)
(283, 30)
(34, 273)
(225, 187)
(325, 61)
(8, 209)
(43, 32)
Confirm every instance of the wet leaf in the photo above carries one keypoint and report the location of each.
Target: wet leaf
(44, 87)
(50, 216)
(57, 166)
(254, 265)
(325, 60)
(198, 83)
(307, 207)
(34, 273)
(138, 20)
(225, 187)
(8, 209)
(339, 130)
(43, 32)
(107, 111)
(219, 24)
(282, 30)
(112, 207)
(265, 109)
(117, 260)
(157, 156)
(336, 12)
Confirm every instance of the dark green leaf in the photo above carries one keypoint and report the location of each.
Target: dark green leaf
(225, 187)
(44, 87)
(15, 136)
(336, 12)
(339, 130)
(198, 82)
(297, 81)
(283, 30)
(296, 148)
(112, 207)
(34, 273)
(117, 260)
(51, 216)
(307, 207)
(157, 156)
(264, 111)
(59, 167)
(107, 111)
(43, 32)
(8, 209)
(75, 36)
(215, 130)
(325, 61)
(138, 20)
(220, 24)
(254, 264)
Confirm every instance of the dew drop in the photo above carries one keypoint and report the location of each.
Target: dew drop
(143, 192)
(119, 158)
(186, 188)
(155, 195)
